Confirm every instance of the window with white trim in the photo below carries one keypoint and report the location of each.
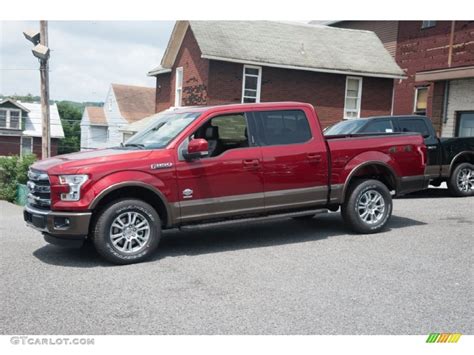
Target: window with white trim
(178, 91)
(10, 118)
(428, 24)
(421, 100)
(353, 97)
(251, 84)
(26, 145)
(3, 118)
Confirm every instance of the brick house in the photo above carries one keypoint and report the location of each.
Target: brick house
(101, 127)
(343, 73)
(20, 128)
(438, 58)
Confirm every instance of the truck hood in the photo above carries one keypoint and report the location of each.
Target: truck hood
(70, 163)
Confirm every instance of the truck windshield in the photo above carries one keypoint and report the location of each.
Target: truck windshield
(162, 130)
(345, 127)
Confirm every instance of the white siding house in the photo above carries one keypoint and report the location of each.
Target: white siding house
(101, 127)
(21, 128)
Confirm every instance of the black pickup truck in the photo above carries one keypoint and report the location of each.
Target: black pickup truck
(449, 159)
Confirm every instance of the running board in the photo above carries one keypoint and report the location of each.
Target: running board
(254, 219)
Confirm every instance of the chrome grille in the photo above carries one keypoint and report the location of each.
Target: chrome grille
(39, 189)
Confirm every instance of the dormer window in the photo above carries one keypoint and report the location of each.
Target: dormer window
(10, 118)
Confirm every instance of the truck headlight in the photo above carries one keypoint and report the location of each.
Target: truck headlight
(74, 182)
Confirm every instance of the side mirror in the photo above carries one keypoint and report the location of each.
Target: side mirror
(197, 148)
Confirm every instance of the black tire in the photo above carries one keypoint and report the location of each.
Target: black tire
(357, 194)
(453, 186)
(142, 213)
(304, 218)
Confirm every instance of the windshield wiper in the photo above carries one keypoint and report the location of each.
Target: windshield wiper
(138, 145)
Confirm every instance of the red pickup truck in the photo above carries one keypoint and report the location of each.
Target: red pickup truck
(204, 165)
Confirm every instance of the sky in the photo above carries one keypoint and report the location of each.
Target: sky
(86, 56)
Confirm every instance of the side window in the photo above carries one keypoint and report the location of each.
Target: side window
(421, 100)
(283, 127)
(252, 80)
(3, 118)
(224, 133)
(427, 24)
(465, 124)
(414, 125)
(379, 126)
(353, 97)
(26, 145)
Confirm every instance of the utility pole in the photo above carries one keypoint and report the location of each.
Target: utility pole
(41, 51)
(44, 71)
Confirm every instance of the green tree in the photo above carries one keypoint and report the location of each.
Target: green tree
(71, 119)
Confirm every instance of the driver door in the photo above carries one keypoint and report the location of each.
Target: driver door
(229, 181)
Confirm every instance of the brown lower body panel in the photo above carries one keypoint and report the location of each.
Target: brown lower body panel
(255, 203)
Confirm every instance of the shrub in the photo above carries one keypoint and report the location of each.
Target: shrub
(13, 171)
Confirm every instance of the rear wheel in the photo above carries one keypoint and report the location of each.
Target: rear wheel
(461, 181)
(367, 207)
(127, 231)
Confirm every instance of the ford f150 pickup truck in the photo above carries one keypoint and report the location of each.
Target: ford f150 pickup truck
(204, 165)
(449, 159)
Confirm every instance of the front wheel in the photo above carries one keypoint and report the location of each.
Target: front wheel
(127, 231)
(461, 181)
(367, 207)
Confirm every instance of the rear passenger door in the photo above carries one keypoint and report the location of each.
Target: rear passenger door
(294, 163)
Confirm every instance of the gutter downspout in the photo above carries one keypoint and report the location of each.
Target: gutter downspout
(451, 41)
(393, 96)
(445, 102)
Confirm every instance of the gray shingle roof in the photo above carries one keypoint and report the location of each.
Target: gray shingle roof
(296, 46)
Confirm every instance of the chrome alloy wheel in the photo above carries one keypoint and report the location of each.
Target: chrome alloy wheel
(129, 232)
(465, 180)
(371, 207)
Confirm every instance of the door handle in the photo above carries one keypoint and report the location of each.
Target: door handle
(251, 163)
(431, 147)
(314, 157)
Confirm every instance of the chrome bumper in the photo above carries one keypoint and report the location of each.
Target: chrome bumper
(67, 224)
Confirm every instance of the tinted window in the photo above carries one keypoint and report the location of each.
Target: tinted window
(414, 125)
(283, 127)
(379, 126)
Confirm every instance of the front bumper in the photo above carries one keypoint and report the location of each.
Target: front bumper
(64, 226)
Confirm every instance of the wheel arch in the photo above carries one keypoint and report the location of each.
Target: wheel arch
(462, 157)
(376, 170)
(136, 189)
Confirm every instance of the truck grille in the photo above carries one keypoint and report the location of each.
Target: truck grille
(39, 190)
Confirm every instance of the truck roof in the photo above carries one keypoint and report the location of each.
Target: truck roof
(246, 106)
(394, 116)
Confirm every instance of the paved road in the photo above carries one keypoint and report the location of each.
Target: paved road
(284, 277)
